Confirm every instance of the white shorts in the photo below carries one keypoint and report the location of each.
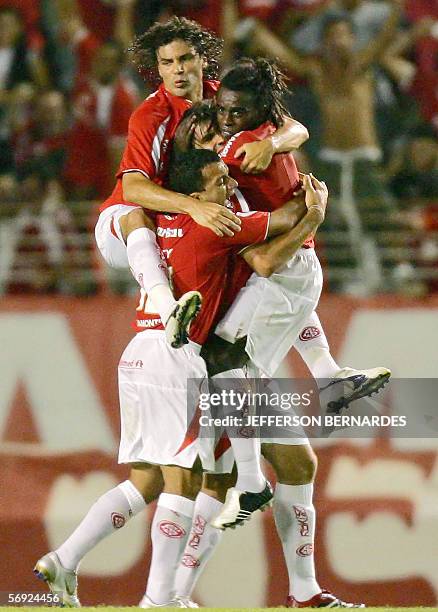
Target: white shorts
(290, 435)
(112, 248)
(272, 311)
(158, 424)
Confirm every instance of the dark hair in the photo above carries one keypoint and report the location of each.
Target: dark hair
(263, 80)
(333, 19)
(204, 111)
(185, 173)
(144, 48)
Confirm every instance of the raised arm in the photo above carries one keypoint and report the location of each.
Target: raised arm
(380, 44)
(265, 42)
(267, 258)
(258, 155)
(141, 190)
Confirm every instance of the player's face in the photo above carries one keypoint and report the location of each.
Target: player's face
(236, 111)
(180, 68)
(218, 185)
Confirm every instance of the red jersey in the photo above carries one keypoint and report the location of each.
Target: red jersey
(152, 126)
(275, 186)
(199, 260)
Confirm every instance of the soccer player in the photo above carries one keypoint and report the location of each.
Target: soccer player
(289, 307)
(153, 380)
(181, 54)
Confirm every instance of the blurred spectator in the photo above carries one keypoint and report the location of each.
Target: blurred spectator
(120, 20)
(425, 86)
(39, 245)
(413, 178)
(71, 46)
(342, 81)
(102, 105)
(40, 144)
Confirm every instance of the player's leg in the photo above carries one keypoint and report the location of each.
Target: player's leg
(252, 491)
(295, 518)
(204, 538)
(108, 514)
(126, 238)
(345, 384)
(170, 531)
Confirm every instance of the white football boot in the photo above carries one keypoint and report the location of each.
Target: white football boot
(178, 324)
(239, 506)
(349, 385)
(61, 582)
(188, 603)
(146, 602)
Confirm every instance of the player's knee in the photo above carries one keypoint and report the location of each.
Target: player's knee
(148, 481)
(135, 219)
(293, 464)
(182, 482)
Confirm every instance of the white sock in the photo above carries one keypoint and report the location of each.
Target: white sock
(294, 515)
(201, 544)
(169, 533)
(247, 451)
(312, 345)
(109, 513)
(150, 270)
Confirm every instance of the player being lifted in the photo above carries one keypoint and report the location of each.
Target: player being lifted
(181, 54)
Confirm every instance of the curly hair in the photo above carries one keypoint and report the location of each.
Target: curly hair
(263, 80)
(206, 44)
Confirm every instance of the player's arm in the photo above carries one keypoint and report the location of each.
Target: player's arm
(258, 155)
(267, 258)
(141, 190)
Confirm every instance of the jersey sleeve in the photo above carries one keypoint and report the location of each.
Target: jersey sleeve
(142, 151)
(254, 226)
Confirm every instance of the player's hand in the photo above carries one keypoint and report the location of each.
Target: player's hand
(217, 218)
(258, 156)
(182, 141)
(316, 193)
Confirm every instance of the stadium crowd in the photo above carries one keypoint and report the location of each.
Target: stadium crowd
(67, 89)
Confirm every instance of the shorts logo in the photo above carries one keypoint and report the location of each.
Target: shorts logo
(246, 432)
(118, 520)
(305, 550)
(309, 333)
(139, 364)
(303, 520)
(171, 530)
(190, 561)
(197, 531)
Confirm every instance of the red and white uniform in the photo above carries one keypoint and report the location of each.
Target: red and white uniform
(151, 129)
(159, 416)
(270, 312)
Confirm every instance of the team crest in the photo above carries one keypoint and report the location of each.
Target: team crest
(171, 530)
(309, 333)
(118, 520)
(190, 561)
(305, 550)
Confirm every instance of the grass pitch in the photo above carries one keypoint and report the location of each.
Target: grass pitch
(134, 609)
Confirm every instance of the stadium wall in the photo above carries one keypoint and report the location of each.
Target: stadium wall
(377, 500)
